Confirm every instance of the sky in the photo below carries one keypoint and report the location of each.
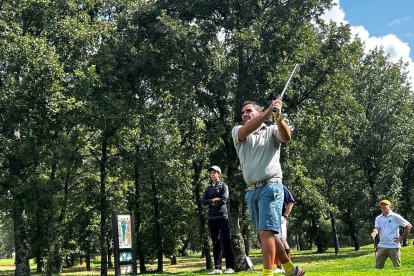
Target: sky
(386, 23)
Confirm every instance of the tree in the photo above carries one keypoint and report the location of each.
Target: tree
(30, 109)
(381, 144)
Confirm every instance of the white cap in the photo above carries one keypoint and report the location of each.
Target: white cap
(215, 168)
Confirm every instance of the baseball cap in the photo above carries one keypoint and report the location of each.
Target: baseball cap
(215, 168)
(384, 201)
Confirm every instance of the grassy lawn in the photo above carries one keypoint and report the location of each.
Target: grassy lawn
(348, 262)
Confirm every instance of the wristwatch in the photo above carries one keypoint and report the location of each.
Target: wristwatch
(279, 118)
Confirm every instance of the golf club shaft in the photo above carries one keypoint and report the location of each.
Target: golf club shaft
(287, 83)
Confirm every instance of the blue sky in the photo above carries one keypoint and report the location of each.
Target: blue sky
(385, 23)
(383, 17)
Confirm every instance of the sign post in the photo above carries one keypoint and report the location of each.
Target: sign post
(123, 228)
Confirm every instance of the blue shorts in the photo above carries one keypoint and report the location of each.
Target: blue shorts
(265, 207)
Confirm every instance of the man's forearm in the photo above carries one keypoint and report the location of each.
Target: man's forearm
(252, 125)
(288, 210)
(283, 131)
(406, 231)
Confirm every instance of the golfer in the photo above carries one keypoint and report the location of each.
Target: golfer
(258, 149)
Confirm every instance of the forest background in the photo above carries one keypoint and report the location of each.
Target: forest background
(123, 105)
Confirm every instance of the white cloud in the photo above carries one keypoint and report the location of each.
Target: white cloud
(392, 45)
(335, 14)
(399, 21)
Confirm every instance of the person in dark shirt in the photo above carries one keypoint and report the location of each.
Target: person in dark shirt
(287, 207)
(215, 197)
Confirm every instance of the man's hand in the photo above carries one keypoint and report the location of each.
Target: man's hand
(276, 106)
(214, 200)
(399, 239)
(374, 233)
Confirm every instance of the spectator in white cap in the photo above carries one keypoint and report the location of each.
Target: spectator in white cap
(215, 197)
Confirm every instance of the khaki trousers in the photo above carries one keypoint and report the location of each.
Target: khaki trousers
(384, 253)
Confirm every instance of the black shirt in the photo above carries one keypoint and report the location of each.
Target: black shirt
(219, 210)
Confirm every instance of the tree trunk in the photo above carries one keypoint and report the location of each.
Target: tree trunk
(197, 167)
(299, 238)
(183, 250)
(298, 242)
(67, 261)
(39, 232)
(88, 251)
(236, 236)
(88, 259)
(103, 229)
(371, 180)
(173, 260)
(335, 234)
(351, 226)
(137, 210)
(236, 185)
(110, 249)
(157, 219)
(316, 236)
(245, 229)
(39, 263)
(54, 258)
(407, 191)
(20, 240)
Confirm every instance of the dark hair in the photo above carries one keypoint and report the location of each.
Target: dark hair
(255, 105)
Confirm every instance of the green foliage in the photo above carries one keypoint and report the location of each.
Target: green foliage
(6, 237)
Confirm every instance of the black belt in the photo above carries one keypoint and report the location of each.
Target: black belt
(259, 184)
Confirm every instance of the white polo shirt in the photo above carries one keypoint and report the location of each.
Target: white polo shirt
(389, 229)
(258, 154)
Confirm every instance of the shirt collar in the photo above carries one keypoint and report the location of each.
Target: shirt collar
(389, 214)
(262, 127)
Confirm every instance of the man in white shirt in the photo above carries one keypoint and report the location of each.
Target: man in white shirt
(387, 225)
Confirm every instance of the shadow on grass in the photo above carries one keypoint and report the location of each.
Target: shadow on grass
(195, 264)
(307, 257)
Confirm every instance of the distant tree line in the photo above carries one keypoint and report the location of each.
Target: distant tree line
(123, 105)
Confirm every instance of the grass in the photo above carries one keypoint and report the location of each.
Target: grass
(348, 262)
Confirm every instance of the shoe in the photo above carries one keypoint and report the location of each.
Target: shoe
(297, 271)
(278, 270)
(229, 271)
(215, 271)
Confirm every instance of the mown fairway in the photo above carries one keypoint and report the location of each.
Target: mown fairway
(348, 262)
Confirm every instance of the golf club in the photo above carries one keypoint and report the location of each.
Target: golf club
(250, 264)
